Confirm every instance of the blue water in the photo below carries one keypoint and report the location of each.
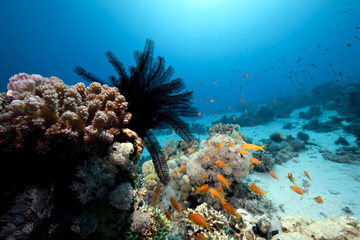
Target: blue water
(204, 40)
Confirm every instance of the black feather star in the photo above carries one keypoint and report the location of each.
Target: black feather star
(155, 101)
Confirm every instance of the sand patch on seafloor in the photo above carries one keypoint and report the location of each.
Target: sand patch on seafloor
(337, 183)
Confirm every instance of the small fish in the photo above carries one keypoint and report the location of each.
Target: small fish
(231, 144)
(253, 147)
(287, 117)
(230, 209)
(156, 194)
(203, 189)
(238, 136)
(215, 115)
(175, 205)
(191, 150)
(166, 157)
(221, 164)
(174, 175)
(221, 190)
(255, 160)
(214, 193)
(201, 236)
(242, 102)
(206, 158)
(205, 176)
(274, 102)
(213, 82)
(246, 75)
(207, 142)
(219, 145)
(229, 107)
(251, 165)
(273, 175)
(182, 169)
(223, 181)
(168, 215)
(297, 190)
(318, 199)
(212, 100)
(199, 113)
(306, 173)
(291, 178)
(246, 111)
(282, 135)
(173, 131)
(199, 220)
(234, 118)
(255, 189)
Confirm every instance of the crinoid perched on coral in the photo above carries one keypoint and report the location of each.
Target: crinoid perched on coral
(155, 101)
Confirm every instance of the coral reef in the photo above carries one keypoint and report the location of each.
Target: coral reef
(300, 227)
(155, 101)
(68, 160)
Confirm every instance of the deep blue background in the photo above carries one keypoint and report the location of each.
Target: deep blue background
(204, 40)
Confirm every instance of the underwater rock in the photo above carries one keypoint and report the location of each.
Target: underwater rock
(314, 111)
(349, 155)
(284, 155)
(276, 137)
(335, 228)
(333, 192)
(342, 141)
(354, 129)
(303, 136)
(347, 210)
(312, 125)
(288, 125)
(185, 187)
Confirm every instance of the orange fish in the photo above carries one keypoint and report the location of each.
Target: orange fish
(166, 157)
(297, 190)
(243, 151)
(287, 117)
(230, 209)
(223, 181)
(205, 176)
(291, 178)
(174, 175)
(214, 193)
(229, 107)
(213, 82)
(246, 111)
(207, 142)
(306, 173)
(221, 190)
(242, 101)
(182, 169)
(212, 100)
(255, 160)
(156, 194)
(195, 100)
(199, 113)
(201, 236)
(168, 215)
(246, 75)
(221, 164)
(206, 158)
(238, 136)
(274, 102)
(253, 147)
(273, 175)
(173, 131)
(282, 135)
(199, 220)
(203, 189)
(251, 165)
(234, 118)
(175, 205)
(318, 199)
(231, 144)
(191, 150)
(219, 145)
(255, 189)
(215, 115)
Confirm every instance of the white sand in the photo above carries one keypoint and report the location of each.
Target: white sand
(342, 179)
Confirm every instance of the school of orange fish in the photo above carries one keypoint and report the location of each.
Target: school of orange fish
(199, 220)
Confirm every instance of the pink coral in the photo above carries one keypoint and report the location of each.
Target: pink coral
(49, 108)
